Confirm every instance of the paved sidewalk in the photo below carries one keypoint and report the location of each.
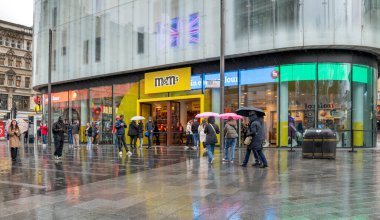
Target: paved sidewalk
(171, 183)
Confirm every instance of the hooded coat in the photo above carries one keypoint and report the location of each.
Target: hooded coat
(14, 137)
(133, 129)
(230, 129)
(256, 130)
(211, 130)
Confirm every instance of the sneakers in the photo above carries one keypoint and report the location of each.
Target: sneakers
(212, 161)
(263, 166)
(225, 160)
(243, 165)
(56, 157)
(129, 153)
(256, 164)
(231, 161)
(121, 153)
(60, 158)
(194, 148)
(186, 147)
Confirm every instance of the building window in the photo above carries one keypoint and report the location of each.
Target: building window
(2, 79)
(63, 51)
(27, 65)
(98, 45)
(19, 44)
(28, 46)
(13, 44)
(2, 61)
(18, 63)
(3, 101)
(10, 80)
(54, 17)
(140, 41)
(7, 42)
(10, 61)
(27, 82)
(1, 41)
(18, 81)
(85, 51)
(22, 102)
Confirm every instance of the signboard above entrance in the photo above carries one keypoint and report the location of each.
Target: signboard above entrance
(168, 81)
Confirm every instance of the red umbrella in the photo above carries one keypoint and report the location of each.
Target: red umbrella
(228, 115)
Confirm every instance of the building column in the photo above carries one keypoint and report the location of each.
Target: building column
(358, 114)
(283, 115)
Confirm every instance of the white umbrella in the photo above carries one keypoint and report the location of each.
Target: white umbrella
(137, 118)
(22, 124)
(207, 115)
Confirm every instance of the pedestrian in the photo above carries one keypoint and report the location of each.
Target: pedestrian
(14, 138)
(58, 133)
(194, 129)
(230, 135)
(26, 137)
(95, 133)
(156, 132)
(149, 127)
(201, 132)
(44, 131)
(114, 132)
(189, 134)
(120, 127)
(89, 135)
(211, 130)
(69, 129)
(141, 133)
(75, 132)
(256, 132)
(132, 133)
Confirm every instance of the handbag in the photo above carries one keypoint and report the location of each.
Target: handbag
(248, 140)
(147, 134)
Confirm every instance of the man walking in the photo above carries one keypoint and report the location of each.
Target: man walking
(58, 134)
(194, 129)
(75, 131)
(120, 131)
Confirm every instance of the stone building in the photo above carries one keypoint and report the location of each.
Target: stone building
(16, 70)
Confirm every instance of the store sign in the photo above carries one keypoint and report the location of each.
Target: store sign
(168, 81)
(275, 74)
(2, 129)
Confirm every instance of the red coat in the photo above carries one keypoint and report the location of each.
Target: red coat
(43, 129)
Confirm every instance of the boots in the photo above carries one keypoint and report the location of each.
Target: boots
(14, 153)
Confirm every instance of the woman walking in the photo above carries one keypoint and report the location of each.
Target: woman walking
(14, 139)
(89, 135)
(132, 133)
(230, 134)
(141, 132)
(211, 131)
(44, 131)
(201, 131)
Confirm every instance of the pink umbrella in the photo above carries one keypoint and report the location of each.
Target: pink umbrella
(233, 115)
(207, 114)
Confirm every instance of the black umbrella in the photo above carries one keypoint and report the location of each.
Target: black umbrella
(244, 111)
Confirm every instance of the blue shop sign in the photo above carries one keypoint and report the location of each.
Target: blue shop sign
(230, 79)
(257, 76)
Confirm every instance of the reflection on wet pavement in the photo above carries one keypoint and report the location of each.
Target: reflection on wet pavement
(171, 183)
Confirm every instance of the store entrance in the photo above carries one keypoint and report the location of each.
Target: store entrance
(170, 118)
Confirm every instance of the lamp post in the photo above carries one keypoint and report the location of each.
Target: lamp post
(49, 89)
(222, 27)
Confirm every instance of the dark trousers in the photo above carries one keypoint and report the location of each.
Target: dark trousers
(121, 142)
(248, 154)
(262, 157)
(189, 139)
(58, 143)
(14, 153)
(133, 141)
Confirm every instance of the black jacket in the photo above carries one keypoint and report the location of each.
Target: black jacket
(89, 132)
(58, 130)
(194, 127)
(211, 132)
(140, 129)
(256, 130)
(133, 129)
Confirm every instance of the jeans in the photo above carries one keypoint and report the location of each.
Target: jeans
(141, 141)
(189, 138)
(230, 142)
(255, 154)
(115, 140)
(89, 141)
(43, 139)
(121, 141)
(210, 152)
(70, 136)
(133, 141)
(262, 157)
(150, 140)
(196, 140)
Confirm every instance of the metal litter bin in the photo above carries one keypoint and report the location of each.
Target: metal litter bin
(319, 143)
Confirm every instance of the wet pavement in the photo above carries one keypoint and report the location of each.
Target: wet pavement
(173, 183)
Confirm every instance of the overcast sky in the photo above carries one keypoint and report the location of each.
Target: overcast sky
(17, 11)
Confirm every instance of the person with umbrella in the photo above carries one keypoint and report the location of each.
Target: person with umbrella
(211, 130)
(256, 132)
(14, 139)
(58, 135)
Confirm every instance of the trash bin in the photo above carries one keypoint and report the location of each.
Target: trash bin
(319, 143)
